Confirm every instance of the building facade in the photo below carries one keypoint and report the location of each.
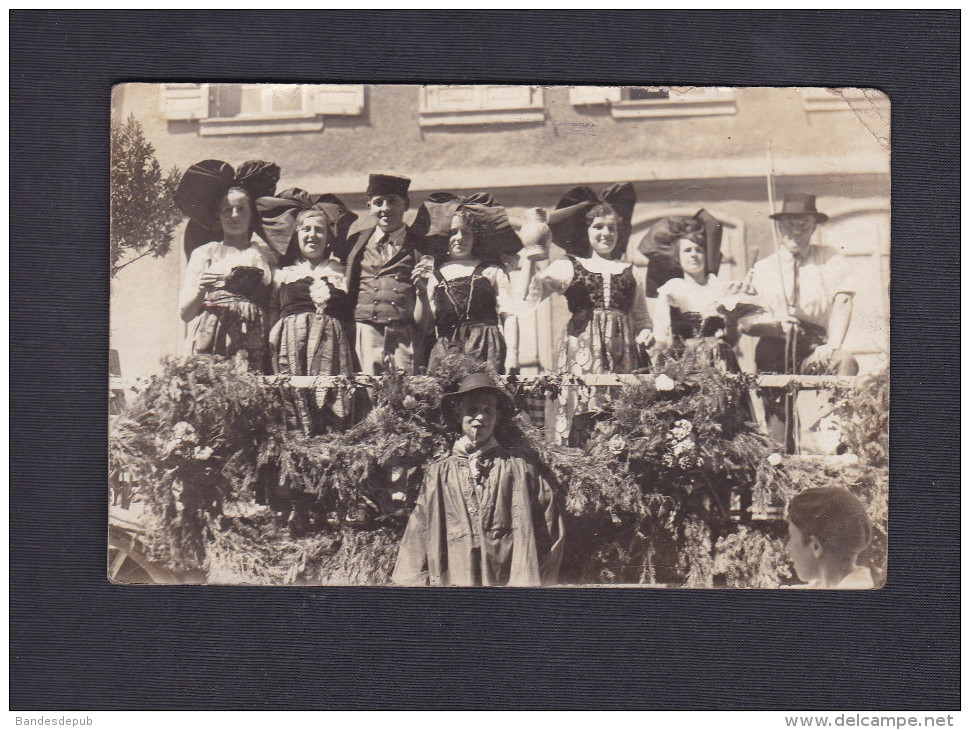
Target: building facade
(683, 148)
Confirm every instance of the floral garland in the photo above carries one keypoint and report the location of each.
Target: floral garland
(676, 486)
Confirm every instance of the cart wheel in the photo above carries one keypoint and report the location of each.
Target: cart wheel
(127, 563)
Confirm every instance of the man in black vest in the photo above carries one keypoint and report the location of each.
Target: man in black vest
(380, 273)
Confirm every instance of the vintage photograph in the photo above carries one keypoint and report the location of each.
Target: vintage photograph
(495, 335)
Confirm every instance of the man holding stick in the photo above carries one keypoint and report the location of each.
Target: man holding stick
(808, 297)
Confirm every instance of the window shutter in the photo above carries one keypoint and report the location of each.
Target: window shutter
(185, 101)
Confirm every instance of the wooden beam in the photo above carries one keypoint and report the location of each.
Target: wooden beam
(765, 380)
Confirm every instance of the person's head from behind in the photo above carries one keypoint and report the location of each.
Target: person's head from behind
(387, 200)
(827, 529)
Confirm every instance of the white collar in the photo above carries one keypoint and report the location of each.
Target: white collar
(463, 447)
(599, 265)
(394, 237)
(691, 281)
(302, 269)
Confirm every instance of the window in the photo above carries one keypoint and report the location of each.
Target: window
(259, 108)
(447, 105)
(632, 102)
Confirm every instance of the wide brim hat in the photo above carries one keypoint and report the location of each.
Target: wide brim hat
(382, 184)
(494, 234)
(205, 183)
(471, 384)
(568, 221)
(278, 215)
(659, 245)
(799, 204)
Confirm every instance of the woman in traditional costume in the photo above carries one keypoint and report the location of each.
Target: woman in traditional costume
(310, 293)
(610, 321)
(230, 268)
(468, 292)
(692, 303)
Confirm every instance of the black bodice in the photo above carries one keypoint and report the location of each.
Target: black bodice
(295, 299)
(586, 291)
(464, 300)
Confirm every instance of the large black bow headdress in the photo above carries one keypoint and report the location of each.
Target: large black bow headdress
(278, 215)
(205, 183)
(568, 220)
(659, 245)
(494, 235)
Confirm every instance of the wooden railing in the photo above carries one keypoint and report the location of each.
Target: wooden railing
(763, 380)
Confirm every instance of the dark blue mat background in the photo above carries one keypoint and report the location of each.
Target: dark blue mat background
(77, 642)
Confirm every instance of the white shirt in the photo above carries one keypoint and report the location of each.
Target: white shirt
(688, 296)
(395, 240)
(218, 258)
(822, 273)
(859, 579)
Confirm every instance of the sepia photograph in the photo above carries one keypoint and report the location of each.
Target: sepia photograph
(499, 335)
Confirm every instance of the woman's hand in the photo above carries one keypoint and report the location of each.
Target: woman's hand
(320, 292)
(209, 281)
(645, 338)
(422, 271)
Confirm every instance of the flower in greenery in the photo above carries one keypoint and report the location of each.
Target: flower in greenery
(617, 444)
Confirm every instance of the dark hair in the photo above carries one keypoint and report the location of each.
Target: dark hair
(835, 517)
(253, 218)
(250, 198)
(474, 220)
(602, 210)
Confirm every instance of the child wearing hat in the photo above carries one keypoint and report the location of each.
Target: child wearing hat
(485, 516)
(827, 529)
(380, 272)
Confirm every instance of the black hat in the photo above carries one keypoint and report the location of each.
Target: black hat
(568, 220)
(494, 235)
(278, 215)
(800, 204)
(379, 184)
(471, 383)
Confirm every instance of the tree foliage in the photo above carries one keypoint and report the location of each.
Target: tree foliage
(143, 210)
